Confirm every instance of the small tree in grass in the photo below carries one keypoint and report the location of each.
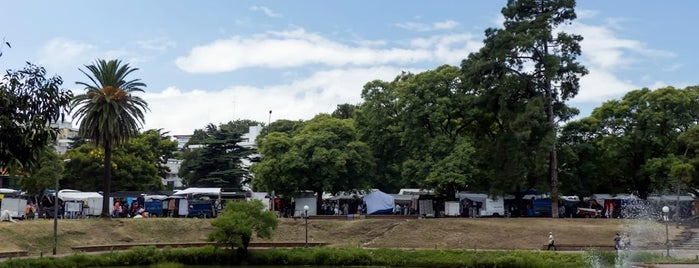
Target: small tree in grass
(235, 226)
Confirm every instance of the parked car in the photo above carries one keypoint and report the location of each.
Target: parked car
(589, 213)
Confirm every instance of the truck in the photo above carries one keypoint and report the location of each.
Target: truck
(16, 206)
(488, 206)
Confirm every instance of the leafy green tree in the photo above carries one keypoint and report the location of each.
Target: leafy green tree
(537, 63)
(218, 163)
(323, 156)
(43, 175)
(638, 139)
(378, 123)
(155, 147)
(29, 102)
(282, 125)
(135, 166)
(689, 139)
(344, 111)
(239, 221)
(585, 167)
(108, 112)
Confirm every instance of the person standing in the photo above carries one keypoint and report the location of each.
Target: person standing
(552, 242)
(617, 242)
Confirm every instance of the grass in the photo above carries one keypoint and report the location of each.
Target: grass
(36, 236)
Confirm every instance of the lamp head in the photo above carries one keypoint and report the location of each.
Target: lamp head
(305, 208)
(666, 209)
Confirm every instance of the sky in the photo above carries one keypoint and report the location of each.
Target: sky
(216, 61)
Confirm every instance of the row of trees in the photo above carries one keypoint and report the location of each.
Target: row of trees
(492, 125)
(108, 112)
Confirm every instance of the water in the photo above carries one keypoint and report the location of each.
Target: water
(640, 227)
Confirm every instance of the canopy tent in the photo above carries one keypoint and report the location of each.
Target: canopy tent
(74, 195)
(201, 191)
(378, 202)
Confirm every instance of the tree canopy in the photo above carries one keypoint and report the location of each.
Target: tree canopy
(239, 221)
(325, 155)
(136, 166)
(632, 144)
(29, 102)
(217, 160)
(530, 65)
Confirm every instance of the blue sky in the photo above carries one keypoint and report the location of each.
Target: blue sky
(214, 61)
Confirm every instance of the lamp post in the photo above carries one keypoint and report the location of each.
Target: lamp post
(305, 216)
(666, 210)
(55, 208)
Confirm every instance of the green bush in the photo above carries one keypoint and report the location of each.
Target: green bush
(334, 257)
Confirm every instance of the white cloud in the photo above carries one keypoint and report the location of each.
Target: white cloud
(298, 47)
(424, 27)
(413, 26)
(371, 43)
(602, 48)
(601, 85)
(607, 56)
(160, 44)
(61, 52)
(266, 11)
(181, 111)
(445, 25)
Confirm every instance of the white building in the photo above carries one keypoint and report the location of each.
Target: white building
(172, 180)
(249, 138)
(182, 140)
(66, 132)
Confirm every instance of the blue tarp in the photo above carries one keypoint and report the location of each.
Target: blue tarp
(378, 202)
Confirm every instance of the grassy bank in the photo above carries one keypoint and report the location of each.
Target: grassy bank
(445, 233)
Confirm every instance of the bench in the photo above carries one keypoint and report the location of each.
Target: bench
(11, 254)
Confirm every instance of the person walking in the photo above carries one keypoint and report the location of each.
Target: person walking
(552, 242)
(617, 242)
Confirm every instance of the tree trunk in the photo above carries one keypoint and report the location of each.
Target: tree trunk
(553, 158)
(107, 180)
(244, 248)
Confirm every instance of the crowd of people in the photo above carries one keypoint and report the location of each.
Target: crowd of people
(125, 209)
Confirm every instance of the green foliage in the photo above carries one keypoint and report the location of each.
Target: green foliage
(43, 175)
(523, 75)
(217, 163)
(29, 102)
(633, 143)
(340, 257)
(136, 166)
(323, 156)
(239, 220)
(344, 111)
(417, 122)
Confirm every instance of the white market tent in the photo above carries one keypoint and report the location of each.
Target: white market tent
(74, 195)
(378, 202)
(195, 190)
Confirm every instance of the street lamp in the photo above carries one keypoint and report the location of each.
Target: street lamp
(305, 215)
(55, 209)
(666, 210)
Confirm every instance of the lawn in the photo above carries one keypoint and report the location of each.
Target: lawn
(444, 233)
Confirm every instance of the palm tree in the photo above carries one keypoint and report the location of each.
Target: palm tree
(108, 112)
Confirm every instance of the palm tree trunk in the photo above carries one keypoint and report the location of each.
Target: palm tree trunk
(107, 180)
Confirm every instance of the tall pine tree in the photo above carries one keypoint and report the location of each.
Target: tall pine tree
(529, 63)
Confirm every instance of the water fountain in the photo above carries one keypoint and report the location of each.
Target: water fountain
(642, 229)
